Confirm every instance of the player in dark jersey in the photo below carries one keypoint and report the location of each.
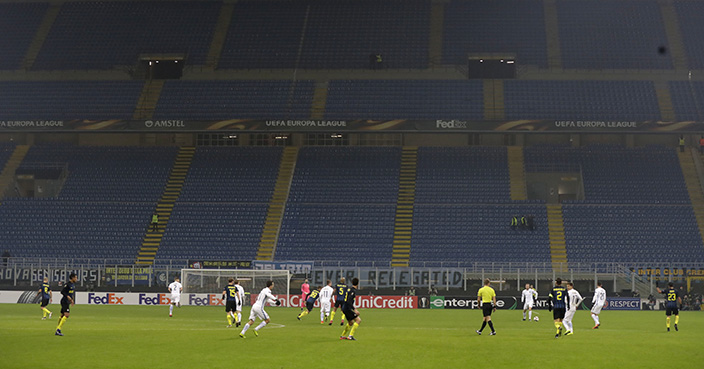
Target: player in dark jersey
(340, 289)
(351, 314)
(229, 294)
(45, 293)
(672, 302)
(311, 298)
(558, 302)
(68, 300)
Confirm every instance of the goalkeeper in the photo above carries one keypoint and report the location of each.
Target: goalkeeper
(258, 309)
(486, 297)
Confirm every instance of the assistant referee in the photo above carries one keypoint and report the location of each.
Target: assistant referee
(486, 297)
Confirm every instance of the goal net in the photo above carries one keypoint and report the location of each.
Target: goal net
(253, 281)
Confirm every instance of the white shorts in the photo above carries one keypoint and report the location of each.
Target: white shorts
(569, 314)
(175, 299)
(258, 312)
(527, 305)
(596, 309)
(325, 307)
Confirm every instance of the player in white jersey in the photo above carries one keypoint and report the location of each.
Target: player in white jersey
(575, 300)
(175, 288)
(325, 299)
(599, 300)
(240, 302)
(528, 297)
(257, 311)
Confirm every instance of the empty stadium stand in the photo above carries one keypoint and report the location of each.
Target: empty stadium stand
(688, 100)
(102, 35)
(617, 175)
(689, 14)
(343, 34)
(581, 100)
(639, 233)
(342, 201)
(466, 175)
(258, 99)
(67, 100)
(597, 34)
(404, 99)
(20, 20)
(504, 27)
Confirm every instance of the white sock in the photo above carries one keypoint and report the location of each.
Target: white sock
(244, 330)
(524, 315)
(595, 318)
(239, 317)
(568, 325)
(260, 326)
(530, 314)
(322, 316)
(171, 309)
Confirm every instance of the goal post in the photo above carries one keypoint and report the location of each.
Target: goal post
(253, 281)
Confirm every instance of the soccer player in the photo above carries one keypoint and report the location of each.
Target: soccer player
(45, 292)
(305, 290)
(326, 294)
(528, 297)
(672, 298)
(229, 294)
(68, 300)
(486, 297)
(340, 290)
(598, 301)
(350, 312)
(558, 301)
(240, 302)
(258, 309)
(575, 300)
(310, 301)
(175, 288)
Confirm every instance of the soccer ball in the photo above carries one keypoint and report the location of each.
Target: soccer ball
(536, 319)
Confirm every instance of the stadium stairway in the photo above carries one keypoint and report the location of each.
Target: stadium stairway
(8, 172)
(437, 17)
(403, 225)
(552, 33)
(694, 187)
(667, 111)
(320, 98)
(556, 230)
(219, 35)
(674, 36)
(165, 206)
(517, 173)
(494, 99)
(40, 35)
(277, 205)
(148, 99)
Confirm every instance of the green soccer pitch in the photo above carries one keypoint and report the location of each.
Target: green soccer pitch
(196, 337)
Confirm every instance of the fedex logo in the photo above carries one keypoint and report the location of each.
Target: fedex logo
(107, 299)
(208, 300)
(159, 299)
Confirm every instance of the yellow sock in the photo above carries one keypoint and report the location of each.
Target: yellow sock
(332, 317)
(229, 319)
(303, 313)
(677, 319)
(347, 330)
(557, 327)
(237, 320)
(668, 322)
(44, 314)
(61, 322)
(354, 329)
(46, 311)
